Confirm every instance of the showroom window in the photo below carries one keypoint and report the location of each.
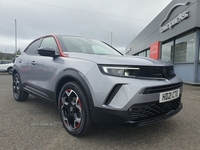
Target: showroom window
(167, 51)
(199, 49)
(148, 53)
(184, 48)
(143, 54)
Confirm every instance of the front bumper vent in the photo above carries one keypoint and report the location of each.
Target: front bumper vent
(112, 93)
(144, 111)
(164, 88)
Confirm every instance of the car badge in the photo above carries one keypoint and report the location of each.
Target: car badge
(164, 72)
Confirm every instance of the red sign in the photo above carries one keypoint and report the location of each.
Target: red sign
(155, 50)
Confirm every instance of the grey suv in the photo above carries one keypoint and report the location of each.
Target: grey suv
(91, 82)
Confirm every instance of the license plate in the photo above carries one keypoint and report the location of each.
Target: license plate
(169, 95)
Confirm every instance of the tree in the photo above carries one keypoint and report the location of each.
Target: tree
(18, 52)
(1, 55)
(7, 57)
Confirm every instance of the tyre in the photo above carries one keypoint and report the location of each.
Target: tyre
(9, 70)
(74, 109)
(18, 92)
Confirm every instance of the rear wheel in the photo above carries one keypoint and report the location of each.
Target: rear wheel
(18, 92)
(74, 109)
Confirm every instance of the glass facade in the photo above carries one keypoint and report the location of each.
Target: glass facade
(148, 53)
(179, 50)
(184, 48)
(167, 51)
(143, 54)
(182, 51)
(199, 48)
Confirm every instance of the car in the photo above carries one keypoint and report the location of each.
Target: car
(91, 83)
(6, 66)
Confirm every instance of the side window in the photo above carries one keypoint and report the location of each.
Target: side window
(32, 49)
(49, 42)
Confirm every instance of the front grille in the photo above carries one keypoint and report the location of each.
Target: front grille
(164, 88)
(154, 109)
(154, 72)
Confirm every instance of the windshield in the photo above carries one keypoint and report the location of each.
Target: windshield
(83, 45)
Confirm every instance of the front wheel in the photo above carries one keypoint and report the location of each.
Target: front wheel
(74, 109)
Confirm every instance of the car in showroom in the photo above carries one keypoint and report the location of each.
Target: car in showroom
(6, 66)
(91, 82)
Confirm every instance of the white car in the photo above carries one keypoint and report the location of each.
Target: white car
(6, 66)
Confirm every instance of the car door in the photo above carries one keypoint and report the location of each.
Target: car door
(44, 70)
(24, 62)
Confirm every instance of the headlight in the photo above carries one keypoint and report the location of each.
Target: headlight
(120, 71)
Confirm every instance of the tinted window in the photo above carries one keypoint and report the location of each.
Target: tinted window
(49, 42)
(32, 49)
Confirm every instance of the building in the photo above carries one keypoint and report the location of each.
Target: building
(174, 35)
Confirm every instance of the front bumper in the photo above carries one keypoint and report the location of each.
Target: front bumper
(139, 114)
(119, 100)
(119, 93)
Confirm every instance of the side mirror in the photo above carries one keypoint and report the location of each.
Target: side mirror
(47, 51)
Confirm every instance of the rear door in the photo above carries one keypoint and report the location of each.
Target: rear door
(24, 62)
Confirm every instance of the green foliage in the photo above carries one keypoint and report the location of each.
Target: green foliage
(1, 55)
(18, 52)
(8, 56)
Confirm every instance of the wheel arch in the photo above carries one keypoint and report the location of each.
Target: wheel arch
(14, 71)
(72, 75)
(9, 67)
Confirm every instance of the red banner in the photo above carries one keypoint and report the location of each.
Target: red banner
(155, 50)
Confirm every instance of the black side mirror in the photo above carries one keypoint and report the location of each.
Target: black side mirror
(47, 51)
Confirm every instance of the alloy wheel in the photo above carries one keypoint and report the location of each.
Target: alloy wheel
(16, 86)
(71, 111)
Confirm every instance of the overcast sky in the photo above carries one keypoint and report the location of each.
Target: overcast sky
(89, 18)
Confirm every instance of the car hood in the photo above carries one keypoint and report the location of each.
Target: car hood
(118, 60)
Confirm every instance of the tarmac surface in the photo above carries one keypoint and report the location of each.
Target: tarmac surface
(35, 125)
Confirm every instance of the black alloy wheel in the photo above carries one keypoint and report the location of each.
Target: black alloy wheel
(18, 92)
(74, 110)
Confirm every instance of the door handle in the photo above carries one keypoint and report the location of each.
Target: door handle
(33, 63)
(20, 61)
